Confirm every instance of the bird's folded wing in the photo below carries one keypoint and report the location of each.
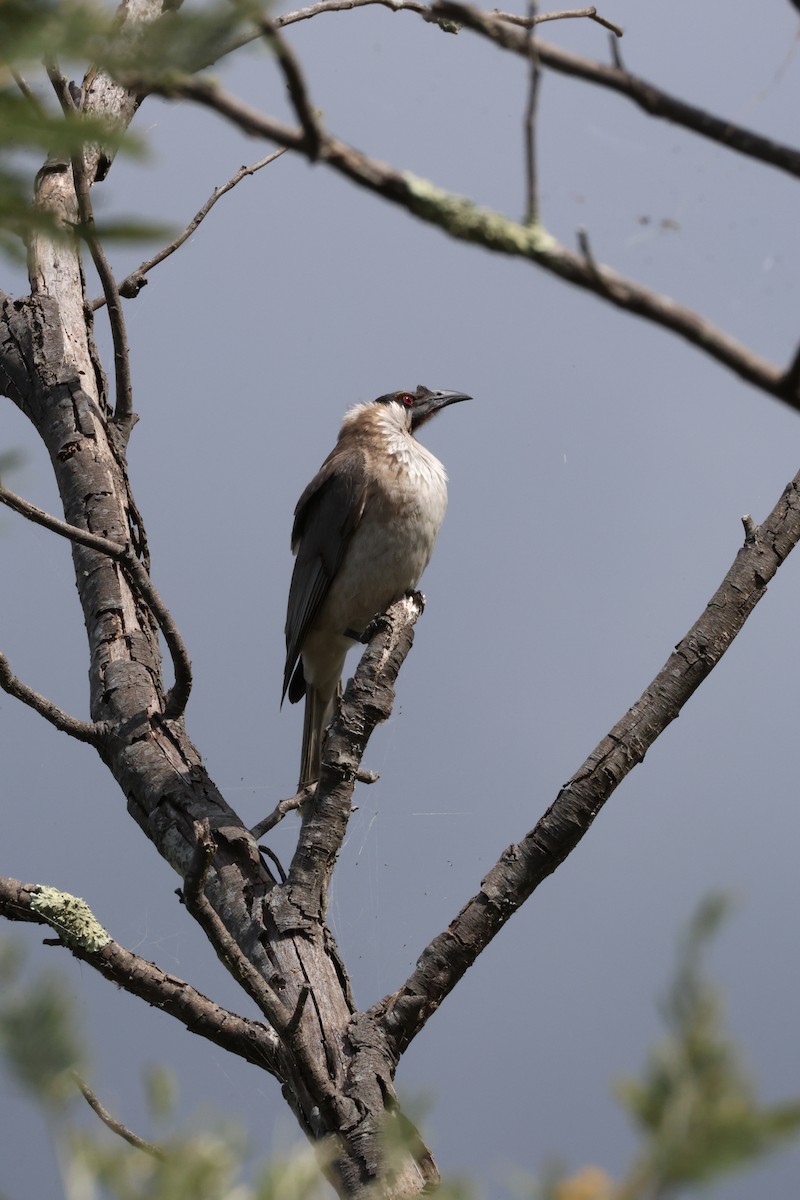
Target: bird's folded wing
(327, 514)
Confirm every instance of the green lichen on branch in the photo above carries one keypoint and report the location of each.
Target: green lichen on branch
(464, 219)
(72, 919)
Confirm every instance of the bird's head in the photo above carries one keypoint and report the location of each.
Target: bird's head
(421, 405)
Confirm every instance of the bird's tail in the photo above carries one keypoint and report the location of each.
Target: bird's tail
(318, 716)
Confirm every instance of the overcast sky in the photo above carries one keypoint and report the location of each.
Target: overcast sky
(597, 482)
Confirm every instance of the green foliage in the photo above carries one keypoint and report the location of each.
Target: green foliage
(37, 1032)
(79, 37)
(179, 44)
(695, 1105)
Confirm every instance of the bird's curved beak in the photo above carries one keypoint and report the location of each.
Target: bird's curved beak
(429, 403)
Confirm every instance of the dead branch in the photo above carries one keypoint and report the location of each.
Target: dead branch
(227, 950)
(462, 219)
(522, 867)
(113, 1124)
(178, 695)
(653, 100)
(296, 87)
(534, 80)
(35, 903)
(132, 284)
(590, 14)
(82, 731)
(367, 701)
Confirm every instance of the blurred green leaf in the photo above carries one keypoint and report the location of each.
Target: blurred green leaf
(695, 1105)
(161, 1091)
(81, 36)
(37, 1035)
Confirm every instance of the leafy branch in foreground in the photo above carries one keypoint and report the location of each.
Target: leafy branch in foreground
(33, 32)
(695, 1106)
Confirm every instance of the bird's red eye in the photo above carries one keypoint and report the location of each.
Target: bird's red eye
(407, 400)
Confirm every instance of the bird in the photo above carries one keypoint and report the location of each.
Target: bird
(364, 531)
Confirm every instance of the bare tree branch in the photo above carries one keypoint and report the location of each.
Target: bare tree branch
(654, 101)
(296, 86)
(178, 695)
(291, 804)
(522, 867)
(568, 14)
(83, 731)
(534, 73)
(463, 219)
(113, 1124)
(227, 950)
(367, 701)
(415, 6)
(132, 284)
(85, 938)
(500, 28)
(27, 92)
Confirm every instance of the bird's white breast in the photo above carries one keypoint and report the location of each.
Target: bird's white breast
(404, 510)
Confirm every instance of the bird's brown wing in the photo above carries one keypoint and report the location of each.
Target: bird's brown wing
(326, 516)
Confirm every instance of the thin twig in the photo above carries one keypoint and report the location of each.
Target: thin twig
(276, 862)
(123, 386)
(414, 6)
(791, 378)
(296, 86)
(83, 731)
(569, 14)
(28, 92)
(114, 1125)
(324, 6)
(279, 812)
(585, 247)
(228, 951)
(177, 697)
(534, 77)
(251, 1040)
(132, 284)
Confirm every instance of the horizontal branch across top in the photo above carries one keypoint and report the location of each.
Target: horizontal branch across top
(463, 219)
(655, 101)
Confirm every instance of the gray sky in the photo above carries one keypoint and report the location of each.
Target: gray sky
(597, 482)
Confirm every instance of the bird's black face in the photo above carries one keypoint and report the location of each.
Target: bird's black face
(422, 404)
